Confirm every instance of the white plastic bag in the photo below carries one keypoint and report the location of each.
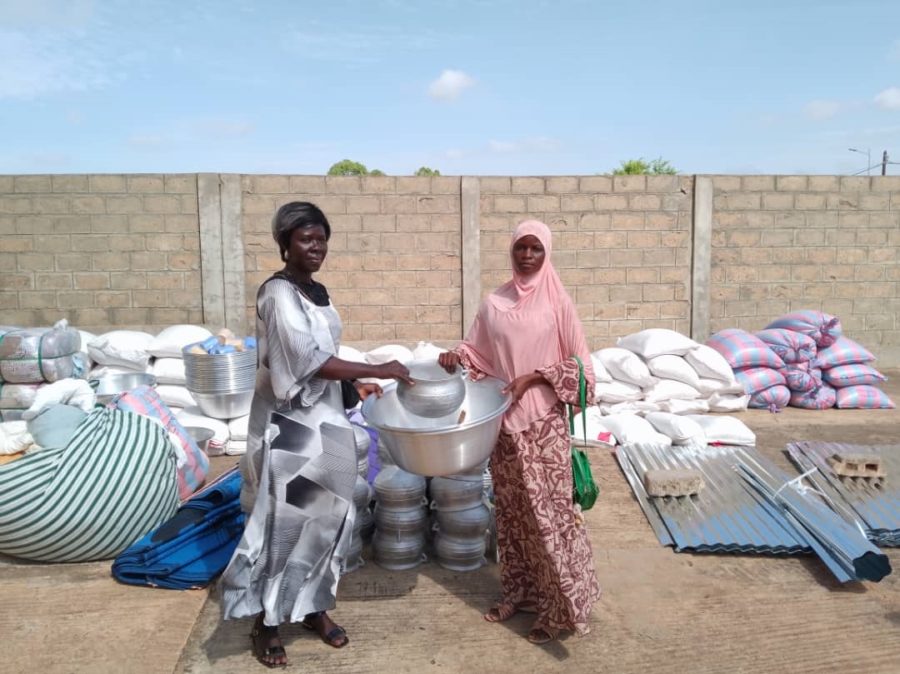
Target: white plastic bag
(625, 366)
(631, 429)
(427, 351)
(684, 406)
(237, 428)
(351, 354)
(387, 353)
(728, 402)
(639, 407)
(597, 432)
(654, 342)
(600, 373)
(722, 430)
(169, 371)
(669, 389)
(170, 342)
(125, 348)
(674, 367)
(175, 396)
(616, 392)
(709, 363)
(682, 430)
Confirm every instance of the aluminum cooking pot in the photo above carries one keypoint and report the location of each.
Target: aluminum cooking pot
(442, 445)
(435, 393)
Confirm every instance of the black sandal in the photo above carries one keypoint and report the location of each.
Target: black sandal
(333, 635)
(265, 653)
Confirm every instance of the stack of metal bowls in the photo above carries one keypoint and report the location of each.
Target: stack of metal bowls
(221, 384)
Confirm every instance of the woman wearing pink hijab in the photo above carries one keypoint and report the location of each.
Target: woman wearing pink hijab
(526, 333)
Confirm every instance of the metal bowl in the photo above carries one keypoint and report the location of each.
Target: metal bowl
(201, 436)
(224, 405)
(110, 386)
(440, 446)
(436, 392)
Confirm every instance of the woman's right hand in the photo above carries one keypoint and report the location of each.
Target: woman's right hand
(393, 370)
(449, 360)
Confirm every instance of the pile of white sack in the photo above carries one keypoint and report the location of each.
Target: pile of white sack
(656, 386)
(124, 351)
(802, 359)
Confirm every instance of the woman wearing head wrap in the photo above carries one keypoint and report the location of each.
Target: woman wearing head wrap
(300, 466)
(526, 333)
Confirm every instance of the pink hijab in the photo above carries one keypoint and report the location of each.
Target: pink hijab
(526, 324)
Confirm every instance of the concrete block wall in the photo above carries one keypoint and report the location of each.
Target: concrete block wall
(146, 251)
(393, 266)
(99, 250)
(622, 245)
(781, 243)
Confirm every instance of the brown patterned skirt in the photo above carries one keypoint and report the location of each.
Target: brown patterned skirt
(546, 563)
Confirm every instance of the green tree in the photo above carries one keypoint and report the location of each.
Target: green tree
(635, 167)
(425, 171)
(348, 167)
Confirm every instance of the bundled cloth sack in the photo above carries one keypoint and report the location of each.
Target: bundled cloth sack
(756, 379)
(854, 374)
(792, 347)
(192, 548)
(16, 398)
(773, 398)
(799, 380)
(844, 351)
(823, 328)
(112, 483)
(194, 464)
(122, 348)
(820, 398)
(36, 355)
(862, 397)
(742, 349)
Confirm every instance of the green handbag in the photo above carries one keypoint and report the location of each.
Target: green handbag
(584, 490)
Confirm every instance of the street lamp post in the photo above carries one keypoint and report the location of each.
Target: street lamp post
(868, 154)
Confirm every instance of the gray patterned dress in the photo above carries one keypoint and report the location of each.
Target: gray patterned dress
(299, 469)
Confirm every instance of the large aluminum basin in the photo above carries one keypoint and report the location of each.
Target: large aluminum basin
(440, 446)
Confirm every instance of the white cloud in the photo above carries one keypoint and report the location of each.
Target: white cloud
(35, 65)
(889, 99)
(454, 153)
(450, 85)
(821, 109)
(226, 128)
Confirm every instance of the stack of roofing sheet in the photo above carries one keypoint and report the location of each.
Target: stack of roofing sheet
(747, 505)
(873, 502)
(727, 516)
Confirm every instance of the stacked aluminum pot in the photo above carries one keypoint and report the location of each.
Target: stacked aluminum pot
(401, 519)
(462, 521)
(364, 524)
(222, 384)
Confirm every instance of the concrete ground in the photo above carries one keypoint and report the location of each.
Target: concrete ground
(661, 611)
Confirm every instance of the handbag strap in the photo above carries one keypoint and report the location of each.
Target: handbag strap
(582, 399)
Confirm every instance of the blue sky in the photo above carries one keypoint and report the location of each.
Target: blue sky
(480, 87)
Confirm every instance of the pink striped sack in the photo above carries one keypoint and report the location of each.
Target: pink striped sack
(742, 349)
(799, 380)
(843, 352)
(144, 400)
(756, 379)
(772, 399)
(791, 347)
(863, 398)
(823, 328)
(855, 374)
(821, 398)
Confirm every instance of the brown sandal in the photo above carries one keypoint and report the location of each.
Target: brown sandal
(540, 634)
(501, 612)
(265, 653)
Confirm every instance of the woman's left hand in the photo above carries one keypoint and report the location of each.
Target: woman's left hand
(519, 385)
(365, 390)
